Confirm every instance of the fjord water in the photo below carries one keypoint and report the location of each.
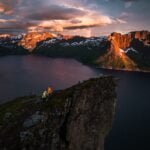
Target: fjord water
(25, 75)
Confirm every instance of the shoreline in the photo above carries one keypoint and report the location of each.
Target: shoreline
(87, 64)
(124, 70)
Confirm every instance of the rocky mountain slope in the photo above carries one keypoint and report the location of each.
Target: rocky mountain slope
(125, 41)
(9, 45)
(135, 46)
(116, 58)
(126, 52)
(78, 118)
(30, 40)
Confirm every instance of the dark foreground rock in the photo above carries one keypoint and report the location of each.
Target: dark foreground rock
(78, 118)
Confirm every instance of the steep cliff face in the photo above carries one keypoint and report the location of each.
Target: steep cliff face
(115, 57)
(124, 41)
(129, 52)
(78, 118)
(141, 35)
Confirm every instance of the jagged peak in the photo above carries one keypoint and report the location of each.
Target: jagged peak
(30, 40)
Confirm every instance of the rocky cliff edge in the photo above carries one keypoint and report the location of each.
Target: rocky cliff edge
(77, 118)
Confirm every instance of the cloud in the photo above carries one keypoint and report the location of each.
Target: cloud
(57, 15)
(13, 24)
(121, 21)
(89, 21)
(130, 0)
(124, 15)
(128, 3)
(8, 7)
(5, 9)
(55, 12)
(87, 32)
(76, 21)
(81, 27)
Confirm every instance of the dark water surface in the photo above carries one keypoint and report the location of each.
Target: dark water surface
(23, 75)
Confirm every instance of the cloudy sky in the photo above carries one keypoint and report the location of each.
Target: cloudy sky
(77, 17)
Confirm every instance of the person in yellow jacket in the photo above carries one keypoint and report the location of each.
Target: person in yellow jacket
(49, 91)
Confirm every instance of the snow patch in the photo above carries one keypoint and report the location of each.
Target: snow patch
(131, 49)
(122, 51)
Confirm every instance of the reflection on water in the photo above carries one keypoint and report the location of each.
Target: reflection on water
(22, 75)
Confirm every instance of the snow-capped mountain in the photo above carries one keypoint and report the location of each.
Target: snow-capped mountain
(128, 51)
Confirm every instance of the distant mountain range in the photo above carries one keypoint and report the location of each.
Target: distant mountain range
(125, 52)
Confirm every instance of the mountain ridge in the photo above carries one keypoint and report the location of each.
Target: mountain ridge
(117, 51)
(116, 58)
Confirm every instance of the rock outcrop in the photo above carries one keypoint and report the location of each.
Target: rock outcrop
(30, 40)
(115, 57)
(78, 118)
(126, 51)
(124, 41)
